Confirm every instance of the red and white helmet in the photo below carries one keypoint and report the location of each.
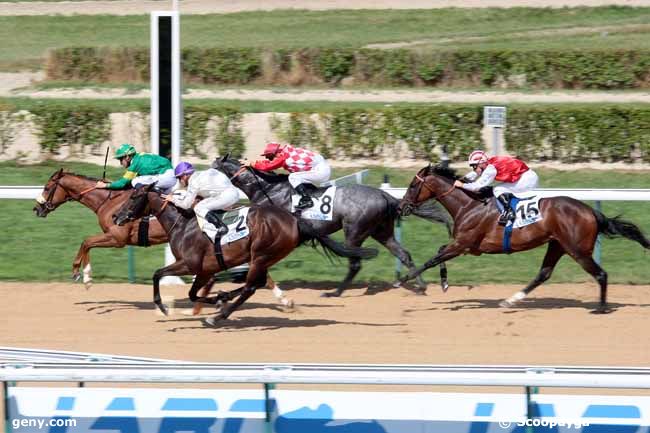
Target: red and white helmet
(272, 149)
(477, 157)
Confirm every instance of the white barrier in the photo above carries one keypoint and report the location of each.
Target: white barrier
(587, 377)
(283, 411)
(577, 193)
(31, 192)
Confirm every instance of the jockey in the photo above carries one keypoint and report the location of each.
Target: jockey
(514, 174)
(142, 169)
(304, 166)
(212, 185)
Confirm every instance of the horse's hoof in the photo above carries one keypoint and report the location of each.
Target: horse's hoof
(420, 292)
(288, 303)
(88, 284)
(603, 310)
(76, 276)
(211, 322)
(335, 294)
(163, 308)
(506, 304)
(397, 284)
(445, 286)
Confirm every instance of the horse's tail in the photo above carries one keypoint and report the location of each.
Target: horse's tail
(429, 210)
(616, 226)
(308, 233)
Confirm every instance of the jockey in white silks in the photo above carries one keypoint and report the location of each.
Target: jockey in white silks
(304, 166)
(214, 187)
(515, 177)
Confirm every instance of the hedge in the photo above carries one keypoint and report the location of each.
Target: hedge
(564, 133)
(593, 69)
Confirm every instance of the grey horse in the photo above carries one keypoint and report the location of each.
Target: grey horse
(361, 211)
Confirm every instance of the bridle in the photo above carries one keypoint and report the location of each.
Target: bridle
(244, 168)
(422, 182)
(49, 206)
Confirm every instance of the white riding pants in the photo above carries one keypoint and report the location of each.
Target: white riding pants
(528, 181)
(166, 180)
(319, 173)
(219, 202)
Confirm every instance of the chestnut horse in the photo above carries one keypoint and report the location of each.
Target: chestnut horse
(568, 227)
(274, 233)
(63, 187)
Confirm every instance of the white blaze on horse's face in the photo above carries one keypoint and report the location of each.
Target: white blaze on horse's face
(41, 198)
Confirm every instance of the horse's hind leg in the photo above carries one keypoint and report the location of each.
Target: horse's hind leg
(257, 275)
(403, 256)
(553, 254)
(589, 265)
(277, 292)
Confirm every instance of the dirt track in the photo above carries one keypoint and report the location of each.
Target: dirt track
(375, 325)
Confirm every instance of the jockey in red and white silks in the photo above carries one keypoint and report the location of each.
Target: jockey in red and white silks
(304, 166)
(515, 177)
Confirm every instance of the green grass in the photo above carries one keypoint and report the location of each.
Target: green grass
(27, 38)
(35, 249)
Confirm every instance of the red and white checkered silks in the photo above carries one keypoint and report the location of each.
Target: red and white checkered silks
(300, 159)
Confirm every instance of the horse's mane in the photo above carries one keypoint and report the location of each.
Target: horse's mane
(83, 176)
(449, 173)
(446, 172)
(270, 177)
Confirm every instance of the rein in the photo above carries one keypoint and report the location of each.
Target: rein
(436, 197)
(71, 196)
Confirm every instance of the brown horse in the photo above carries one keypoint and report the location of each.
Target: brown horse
(569, 227)
(274, 233)
(63, 187)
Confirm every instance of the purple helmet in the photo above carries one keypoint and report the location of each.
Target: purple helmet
(183, 168)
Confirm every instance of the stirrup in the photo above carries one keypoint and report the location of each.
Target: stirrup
(305, 203)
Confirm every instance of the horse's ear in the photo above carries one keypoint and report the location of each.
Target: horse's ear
(225, 157)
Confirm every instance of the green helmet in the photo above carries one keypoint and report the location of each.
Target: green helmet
(125, 150)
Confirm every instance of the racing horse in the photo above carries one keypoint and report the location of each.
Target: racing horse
(274, 233)
(568, 227)
(64, 186)
(360, 210)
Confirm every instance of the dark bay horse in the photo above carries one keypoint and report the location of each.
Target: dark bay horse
(360, 210)
(63, 187)
(274, 233)
(568, 227)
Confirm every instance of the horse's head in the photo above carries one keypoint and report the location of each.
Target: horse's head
(227, 165)
(53, 195)
(135, 207)
(430, 181)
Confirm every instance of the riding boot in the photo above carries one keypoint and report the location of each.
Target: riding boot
(507, 214)
(305, 200)
(214, 219)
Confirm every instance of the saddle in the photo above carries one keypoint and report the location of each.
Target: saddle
(315, 191)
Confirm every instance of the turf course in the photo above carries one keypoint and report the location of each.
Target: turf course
(27, 38)
(35, 249)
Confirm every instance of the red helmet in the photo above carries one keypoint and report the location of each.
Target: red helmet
(477, 157)
(272, 149)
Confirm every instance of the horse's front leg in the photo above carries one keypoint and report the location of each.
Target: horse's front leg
(177, 269)
(447, 253)
(103, 240)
